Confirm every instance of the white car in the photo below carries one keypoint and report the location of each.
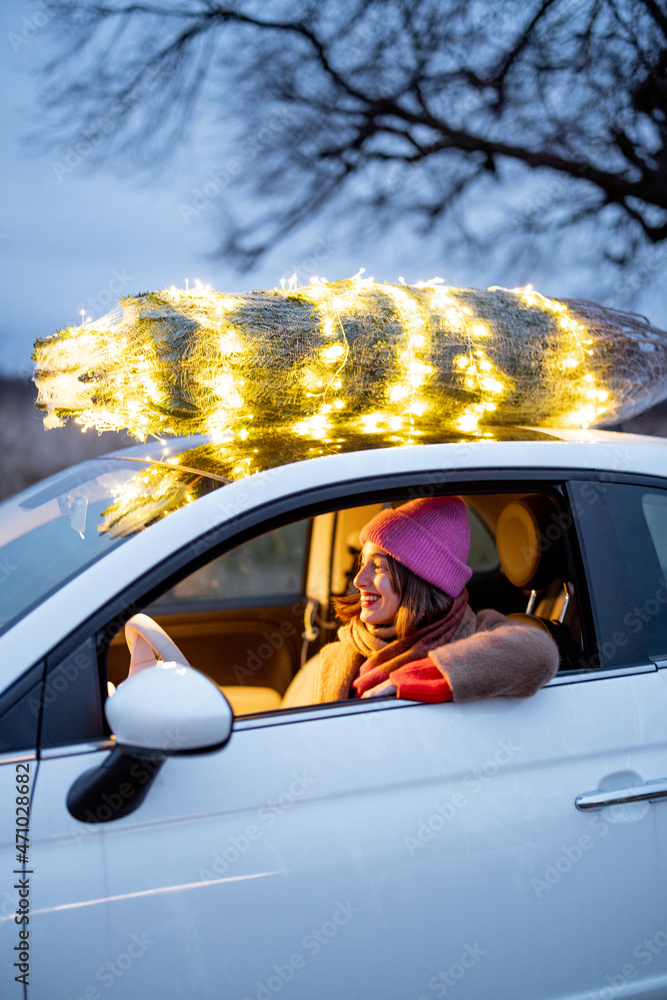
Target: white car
(156, 843)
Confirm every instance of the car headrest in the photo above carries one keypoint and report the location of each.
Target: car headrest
(529, 539)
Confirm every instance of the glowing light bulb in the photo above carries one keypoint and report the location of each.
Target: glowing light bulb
(398, 392)
(334, 352)
(467, 422)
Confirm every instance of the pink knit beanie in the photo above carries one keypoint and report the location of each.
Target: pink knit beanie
(431, 537)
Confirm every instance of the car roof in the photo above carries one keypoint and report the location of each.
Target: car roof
(591, 448)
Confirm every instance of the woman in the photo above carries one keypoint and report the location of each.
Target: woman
(410, 631)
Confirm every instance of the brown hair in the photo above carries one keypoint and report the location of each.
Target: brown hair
(421, 602)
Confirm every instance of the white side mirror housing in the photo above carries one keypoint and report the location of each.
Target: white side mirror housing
(169, 707)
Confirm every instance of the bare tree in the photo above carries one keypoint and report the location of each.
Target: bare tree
(418, 109)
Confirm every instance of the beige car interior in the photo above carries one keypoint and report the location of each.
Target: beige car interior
(520, 565)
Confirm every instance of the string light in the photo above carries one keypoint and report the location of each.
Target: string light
(317, 367)
(295, 372)
(572, 360)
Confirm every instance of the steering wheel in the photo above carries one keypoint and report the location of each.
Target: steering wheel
(148, 642)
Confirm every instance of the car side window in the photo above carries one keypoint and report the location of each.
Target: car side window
(238, 618)
(483, 556)
(640, 516)
(266, 567)
(654, 506)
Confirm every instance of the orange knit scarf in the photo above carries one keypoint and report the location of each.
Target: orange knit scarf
(339, 662)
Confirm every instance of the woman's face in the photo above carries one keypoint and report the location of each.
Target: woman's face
(379, 600)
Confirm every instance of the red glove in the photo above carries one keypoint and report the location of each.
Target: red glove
(368, 680)
(421, 680)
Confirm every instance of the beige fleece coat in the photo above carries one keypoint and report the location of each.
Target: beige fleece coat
(489, 656)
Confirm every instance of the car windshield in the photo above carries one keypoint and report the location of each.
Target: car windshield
(54, 530)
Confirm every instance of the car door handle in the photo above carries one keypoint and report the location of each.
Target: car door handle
(656, 789)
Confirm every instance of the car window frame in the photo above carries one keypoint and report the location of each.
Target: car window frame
(614, 593)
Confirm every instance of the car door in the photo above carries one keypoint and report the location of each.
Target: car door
(387, 848)
(442, 841)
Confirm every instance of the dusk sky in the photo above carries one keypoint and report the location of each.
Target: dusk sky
(73, 239)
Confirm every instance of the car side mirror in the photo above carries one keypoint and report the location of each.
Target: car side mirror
(162, 710)
(170, 707)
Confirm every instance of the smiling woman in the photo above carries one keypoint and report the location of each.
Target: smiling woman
(379, 586)
(410, 632)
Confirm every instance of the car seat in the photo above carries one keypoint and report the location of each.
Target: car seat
(531, 549)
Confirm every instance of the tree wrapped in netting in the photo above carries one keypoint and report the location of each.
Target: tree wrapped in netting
(328, 366)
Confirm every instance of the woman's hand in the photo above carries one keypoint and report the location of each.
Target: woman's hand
(380, 690)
